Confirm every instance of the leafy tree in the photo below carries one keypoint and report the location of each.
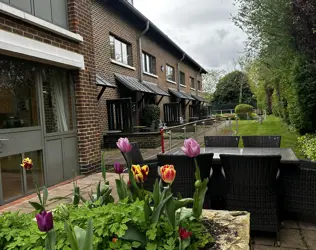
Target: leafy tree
(233, 89)
(210, 80)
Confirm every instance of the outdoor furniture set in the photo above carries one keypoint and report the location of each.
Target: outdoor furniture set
(268, 181)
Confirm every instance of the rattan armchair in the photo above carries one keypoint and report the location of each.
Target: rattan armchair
(137, 158)
(299, 188)
(185, 176)
(261, 141)
(252, 186)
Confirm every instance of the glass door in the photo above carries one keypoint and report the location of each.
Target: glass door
(20, 131)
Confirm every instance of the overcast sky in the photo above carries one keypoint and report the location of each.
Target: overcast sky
(202, 28)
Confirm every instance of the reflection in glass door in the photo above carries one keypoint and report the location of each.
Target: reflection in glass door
(20, 131)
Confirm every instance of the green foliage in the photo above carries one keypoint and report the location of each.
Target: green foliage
(307, 145)
(243, 109)
(19, 231)
(150, 114)
(233, 88)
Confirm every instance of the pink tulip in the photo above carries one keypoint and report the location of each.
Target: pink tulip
(124, 145)
(191, 148)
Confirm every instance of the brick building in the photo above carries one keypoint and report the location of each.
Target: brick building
(48, 104)
(135, 59)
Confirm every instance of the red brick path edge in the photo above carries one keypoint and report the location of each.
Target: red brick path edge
(26, 198)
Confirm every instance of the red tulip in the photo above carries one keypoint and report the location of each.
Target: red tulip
(118, 168)
(184, 234)
(27, 163)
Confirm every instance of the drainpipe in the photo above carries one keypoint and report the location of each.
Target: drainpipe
(140, 51)
(178, 85)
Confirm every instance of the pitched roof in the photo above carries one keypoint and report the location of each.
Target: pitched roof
(100, 81)
(132, 83)
(155, 88)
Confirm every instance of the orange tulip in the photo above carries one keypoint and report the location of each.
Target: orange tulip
(168, 173)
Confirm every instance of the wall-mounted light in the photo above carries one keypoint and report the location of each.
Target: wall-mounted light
(162, 68)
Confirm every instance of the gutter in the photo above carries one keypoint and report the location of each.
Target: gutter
(141, 52)
(181, 60)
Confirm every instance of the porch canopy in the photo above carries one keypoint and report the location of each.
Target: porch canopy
(198, 98)
(180, 95)
(155, 88)
(132, 83)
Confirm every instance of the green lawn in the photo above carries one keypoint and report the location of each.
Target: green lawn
(272, 126)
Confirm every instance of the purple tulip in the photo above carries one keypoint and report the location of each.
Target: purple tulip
(118, 168)
(124, 145)
(45, 221)
(191, 148)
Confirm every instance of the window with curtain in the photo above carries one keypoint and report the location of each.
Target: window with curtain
(58, 101)
(121, 51)
(149, 63)
(170, 73)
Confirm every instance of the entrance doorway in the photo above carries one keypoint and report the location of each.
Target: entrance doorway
(36, 110)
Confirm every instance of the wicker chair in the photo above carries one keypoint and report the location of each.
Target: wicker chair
(185, 167)
(299, 184)
(252, 186)
(153, 164)
(261, 141)
(221, 141)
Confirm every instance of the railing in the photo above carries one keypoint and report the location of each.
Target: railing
(175, 135)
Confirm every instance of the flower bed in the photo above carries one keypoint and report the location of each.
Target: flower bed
(140, 220)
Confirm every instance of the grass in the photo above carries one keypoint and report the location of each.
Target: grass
(272, 126)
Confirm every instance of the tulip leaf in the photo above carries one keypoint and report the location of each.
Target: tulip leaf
(71, 237)
(81, 236)
(99, 190)
(76, 196)
(182, 203)
(147, 209)
(103, 168)
(119, 188)
(36, 205)
(88, 244)
(133, 234)
(156, 194)
(199, 196)
(50, 240)
(185, 243)
(171, 212)
(157, 212)
(45, 196)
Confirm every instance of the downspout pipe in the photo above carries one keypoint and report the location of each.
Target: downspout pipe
(196, 86)
(181, 60)
(140, 51)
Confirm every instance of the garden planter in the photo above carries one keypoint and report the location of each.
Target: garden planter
(231, 230)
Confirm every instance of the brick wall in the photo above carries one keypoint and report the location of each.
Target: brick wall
(106, 20)
(85, 89)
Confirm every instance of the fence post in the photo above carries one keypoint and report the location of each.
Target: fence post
(185, 132)
(230, 126)
(204, 128)
(162, 140)
(169, 133)
(195, 131)
(231, 111)
(236, 123)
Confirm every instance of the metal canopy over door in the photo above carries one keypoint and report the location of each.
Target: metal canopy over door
(36, 121)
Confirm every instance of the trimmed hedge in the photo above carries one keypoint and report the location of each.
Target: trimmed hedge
(243, 109)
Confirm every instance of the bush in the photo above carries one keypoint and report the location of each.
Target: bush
(307, 145)
(149, 114)
(243, 109)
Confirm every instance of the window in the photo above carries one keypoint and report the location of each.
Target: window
(182, 78)
(121, 51)
(170, 73)
(192, 83)
(52, 11)
(199, 85)
(130, 1)
(149, 63)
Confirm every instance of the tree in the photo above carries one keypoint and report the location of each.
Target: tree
(210, 80)
(232, 89)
